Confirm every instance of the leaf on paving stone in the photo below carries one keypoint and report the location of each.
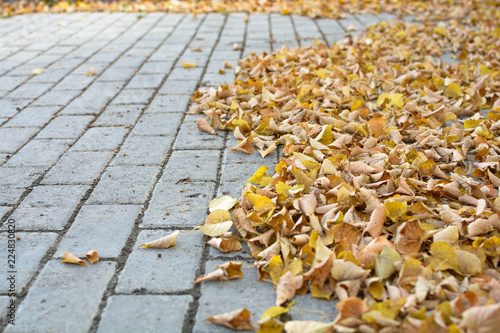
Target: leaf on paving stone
(219, 274)
(238, 320)
(216, 229)
(196, 49)
(72, 259)
(204, 126)
(232, 269)
(276, 311)
(37, 71)
(91, 72)
(92, 256)
(236, 47)
(186, 64)
(225, 244)
(270, 325)
(482, 319)
(224, 202)
(299, 326)
(285, 290)
(162, 243)
(228, 64)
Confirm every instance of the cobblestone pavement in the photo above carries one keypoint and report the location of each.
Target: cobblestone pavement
(101, 162)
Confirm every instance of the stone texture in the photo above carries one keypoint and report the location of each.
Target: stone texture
(144, 313)
(11, 139)
(39, 153)
(140, 150)
(79, 291)
(158, 124)
(100, 139)
(32, 117)
(194, 165)
(190, 137)
(119, 115)
(29, 251)
(65, 127)
(164, 275)
(104, 228)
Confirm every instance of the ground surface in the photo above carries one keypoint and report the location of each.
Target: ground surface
(109, 161)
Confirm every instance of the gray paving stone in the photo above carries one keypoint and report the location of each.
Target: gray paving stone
(72, 82)
(158, 124)
(251, 294)
(11, 139)
(10, 107)
(50, 76)
(29, 251)
(178, 87)
(19, 176)
(162, 277)
(187, 74)
(11, 82)
(195, 165)
(65, 127)
(30, 90)
(4, 210)
(78, 167)
(79, 292)
(181, 204)
(169, 103)
(102, 228)
(48, 207)
(57, 97)
(100, 138)
(124, 185)
(117, 74)
(39, 153)
(234, 177)
(32, 117)
(156, 67)
(4, 302)
(140, 150)
(145, 81)
(190, 137)
(10, 195)
(144, 313)
(119, 115)
(134, 96)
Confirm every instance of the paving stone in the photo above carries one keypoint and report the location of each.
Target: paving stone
(11, 82)
(145, 81)
(134, 96)
(10, 195)
(119, 115)
(251, 294)
(169, 103)
(187, 74)
(140, 150)
(30, 91)
(32, 117)
(117, 74)
(10, 107)
(4, 210)
(235, 175)
(102, 228)
(20, 176)
(189, 137)
(195, 165)
(11, 139)
(100, 138)
(170, 206)
(29, 251)
(158, 124)
(57, 97)
(4, 302)
(78, 167)
(144, 313)
(124, 185)
(50, 76)
(72, 82)
(48, 207)
(65, 127)
(39, 153)
(178, 87)
(156, 67)
(163, 277)
(216, 79)
(79, 292)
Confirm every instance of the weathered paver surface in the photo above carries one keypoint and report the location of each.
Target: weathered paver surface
(97, 153)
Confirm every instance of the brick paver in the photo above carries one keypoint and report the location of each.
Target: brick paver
(97, 153)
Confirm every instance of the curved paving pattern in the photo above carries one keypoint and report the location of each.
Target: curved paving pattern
(109, 161)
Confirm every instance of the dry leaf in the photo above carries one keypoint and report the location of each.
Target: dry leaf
(238, 320)
(204, 126)
(72, 259)
(92, 256)
(285, 290)
(162, 243)
(37, 71)
(186, 64)
(482, 319)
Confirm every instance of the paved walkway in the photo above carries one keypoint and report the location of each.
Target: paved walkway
(96, 153)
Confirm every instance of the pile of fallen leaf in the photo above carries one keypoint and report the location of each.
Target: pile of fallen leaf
(471, 11)
(386, 197)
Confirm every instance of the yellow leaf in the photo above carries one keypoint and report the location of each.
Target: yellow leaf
(162, 243)
(453, 90)
(297, 326)
(238, 320)
(72, 259)
(384, 262)
(395, 209)
(215, 230)
(92, 256)
(36, 71)
(442, 257)
(186, 64)
(257, 176)
(468, 263)
(224, 202)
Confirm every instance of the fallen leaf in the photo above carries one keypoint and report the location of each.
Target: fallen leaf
(92, 256)
(238, 320)
(352, 307)
(72, 259)
(163, 242)
(186, 64)
(37, 71)
(482, 319)
(298, 326)
(204, 126)
(285, 290)
(224, 202)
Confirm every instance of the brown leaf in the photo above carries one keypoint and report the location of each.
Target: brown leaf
(238, 320)
(285, 290)
(204, 126)
(72, 259)
(376, 224)
(352, 307)
(225, 244)
(409, 237)
(92, 256)
(482, 319)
